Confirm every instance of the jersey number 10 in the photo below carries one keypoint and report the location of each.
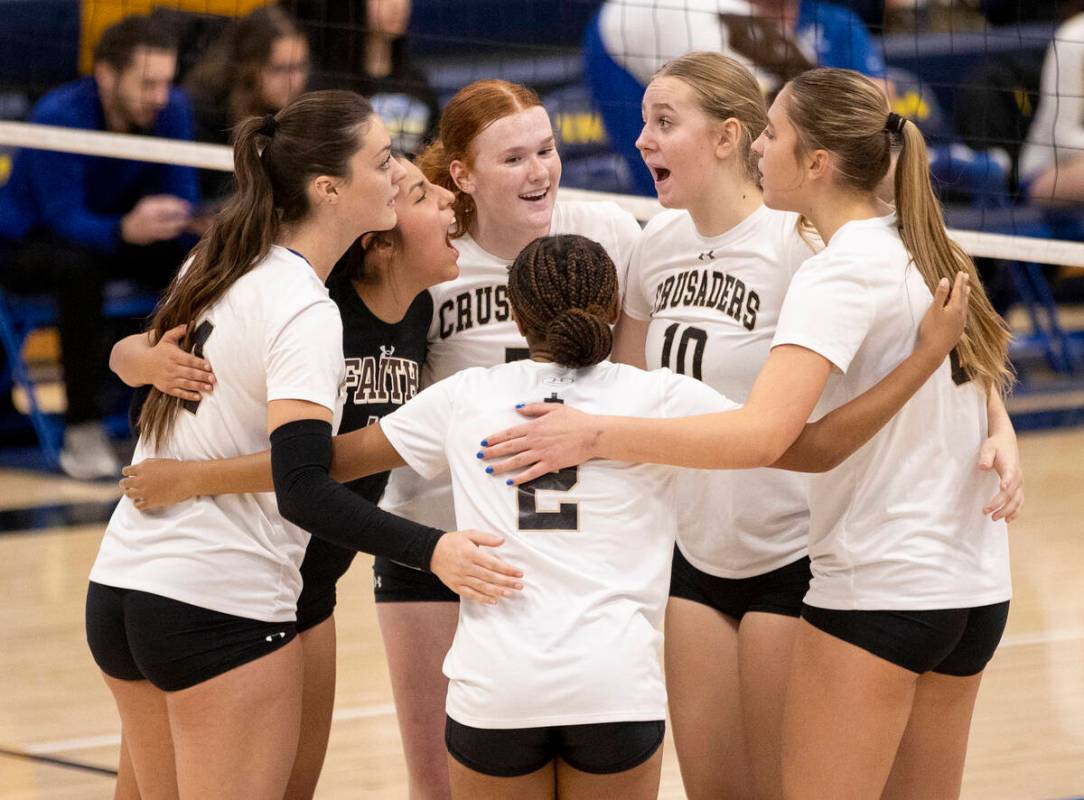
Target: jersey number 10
(699, 339)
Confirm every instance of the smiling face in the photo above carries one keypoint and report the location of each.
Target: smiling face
(367, 195)
(782, 174)
(514, 171)
(678, 142)
(425, 253)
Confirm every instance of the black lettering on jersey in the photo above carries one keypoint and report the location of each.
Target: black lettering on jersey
(716, 289)
(504, 309)
(662, 294)
(690, 288)
(387, 380)
(483, 304)
(959, 374)
(446, 328)
(700, 288)
(567, 517)
(734, 311)
(679, 288)
(724, 298)
(199, 339)
(752, 306)
(462, 312)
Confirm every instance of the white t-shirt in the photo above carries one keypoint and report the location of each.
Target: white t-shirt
(898, 525)
(713, 304)
(1056, 135)
(580, 643)
(473, 327)
(642, 35)
(277, 336)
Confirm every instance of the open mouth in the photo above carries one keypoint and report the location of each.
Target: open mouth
(535, 197)
(660, 173)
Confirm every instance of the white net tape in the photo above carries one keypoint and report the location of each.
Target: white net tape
(219, 157)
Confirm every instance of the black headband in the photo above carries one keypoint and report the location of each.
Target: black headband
(894, 123)
(269, 126)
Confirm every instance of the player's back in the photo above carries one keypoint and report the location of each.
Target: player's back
(579, 643)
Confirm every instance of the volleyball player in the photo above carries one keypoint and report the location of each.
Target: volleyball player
(497, 154)
(191, 611)
(528, 713)
(910, 581)
(705, 287)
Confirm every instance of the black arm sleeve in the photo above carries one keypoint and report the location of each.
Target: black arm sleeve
(308, 497)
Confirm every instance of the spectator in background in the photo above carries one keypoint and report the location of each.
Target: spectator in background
(69, 223)
(1052, 161)
(362, 46)
(629, 40)
(257, 66)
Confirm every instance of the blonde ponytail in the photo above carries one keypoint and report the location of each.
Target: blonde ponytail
(983, 349)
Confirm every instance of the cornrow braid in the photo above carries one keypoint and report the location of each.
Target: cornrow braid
(564, 288)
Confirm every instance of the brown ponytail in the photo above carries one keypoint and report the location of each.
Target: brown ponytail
(274, 157)
(846, 113)
(564, 291)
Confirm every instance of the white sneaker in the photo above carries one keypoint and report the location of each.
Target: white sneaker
(87, 453)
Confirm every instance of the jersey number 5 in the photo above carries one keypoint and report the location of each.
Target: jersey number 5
(698, 338)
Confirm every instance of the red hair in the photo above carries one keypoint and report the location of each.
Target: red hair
(473, 109)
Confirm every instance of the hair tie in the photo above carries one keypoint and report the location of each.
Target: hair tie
(894, 122)
(269, 126)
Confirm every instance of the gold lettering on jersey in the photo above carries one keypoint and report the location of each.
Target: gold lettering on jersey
(704, 288)
(384, 380)
(482, 306)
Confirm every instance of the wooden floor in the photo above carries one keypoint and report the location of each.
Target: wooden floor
(1028, 733)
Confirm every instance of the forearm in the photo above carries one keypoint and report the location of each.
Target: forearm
(997, 417)
(740, 439)
(128, 361)
(240, 475)
(827, 443)
(365, 451)
(308, 497)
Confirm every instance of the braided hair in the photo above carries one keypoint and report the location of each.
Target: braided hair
(563, 289)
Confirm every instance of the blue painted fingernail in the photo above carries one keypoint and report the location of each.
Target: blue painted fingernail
(479, 454)
(485, 443)
(508, 482)
(520, 405)
(489, 470)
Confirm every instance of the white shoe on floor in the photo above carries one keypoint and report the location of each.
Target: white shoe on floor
(87, 453)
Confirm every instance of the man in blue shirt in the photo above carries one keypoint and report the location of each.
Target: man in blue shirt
(70, 223)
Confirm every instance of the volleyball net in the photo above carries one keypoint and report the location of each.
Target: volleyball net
(978, 243)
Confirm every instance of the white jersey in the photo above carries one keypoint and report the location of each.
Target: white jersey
(473, 327)
(580, 643)
(898, 525)
(277, 336)
(713, 303)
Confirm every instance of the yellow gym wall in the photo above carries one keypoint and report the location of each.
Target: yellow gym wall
(97, 15)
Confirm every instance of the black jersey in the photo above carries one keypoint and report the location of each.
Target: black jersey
(383, 364)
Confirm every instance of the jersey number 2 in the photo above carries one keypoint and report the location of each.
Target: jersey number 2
(567, 515)
(699, 339)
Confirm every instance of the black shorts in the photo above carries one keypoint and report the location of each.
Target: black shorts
(394, 583)
(777, 592)
(951, 641)
(323, 565)
(601, 749)
(135, 636)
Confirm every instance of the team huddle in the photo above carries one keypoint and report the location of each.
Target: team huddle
(769, 425)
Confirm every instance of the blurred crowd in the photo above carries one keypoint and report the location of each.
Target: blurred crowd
(69, 224)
